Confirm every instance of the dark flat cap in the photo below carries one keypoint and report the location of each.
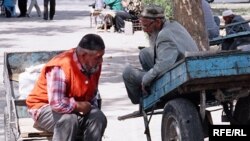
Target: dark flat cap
(152, 11)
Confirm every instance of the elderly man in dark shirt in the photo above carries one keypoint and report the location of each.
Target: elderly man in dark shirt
(229, 18)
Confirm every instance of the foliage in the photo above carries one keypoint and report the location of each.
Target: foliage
(166, 4)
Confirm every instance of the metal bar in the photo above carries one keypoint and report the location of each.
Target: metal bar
(146, 123)
(145, 118)
(232, 24)
(203, 104)
(136, 114)
(220, 39)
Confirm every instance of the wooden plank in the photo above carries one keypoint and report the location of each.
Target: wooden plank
(167, 83)
(224, 70)
(219, 65)
(27, 130)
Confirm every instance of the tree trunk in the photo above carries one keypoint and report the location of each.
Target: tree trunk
(189, 13)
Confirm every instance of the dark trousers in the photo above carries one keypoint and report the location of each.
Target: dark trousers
(232, 44)
(49, 11)
(120, 17)
(9, 11)
(22, 5)
(132, 76)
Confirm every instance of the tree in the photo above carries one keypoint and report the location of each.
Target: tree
(188, 13)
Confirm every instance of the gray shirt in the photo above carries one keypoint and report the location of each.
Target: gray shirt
(171, 44)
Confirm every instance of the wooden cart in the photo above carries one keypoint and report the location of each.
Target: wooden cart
(186, 91)
(18, 123)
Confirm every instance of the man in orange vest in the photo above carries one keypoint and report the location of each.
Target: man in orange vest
(63, 99)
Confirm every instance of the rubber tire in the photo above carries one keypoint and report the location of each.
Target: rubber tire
(242, 111)
(183, 115)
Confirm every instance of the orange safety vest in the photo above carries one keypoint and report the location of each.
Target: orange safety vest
(78, 85)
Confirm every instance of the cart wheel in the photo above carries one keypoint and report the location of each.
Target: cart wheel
(7, 128)
(181, 122)
(242, 111)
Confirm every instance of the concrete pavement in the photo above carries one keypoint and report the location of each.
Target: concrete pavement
(70, 23)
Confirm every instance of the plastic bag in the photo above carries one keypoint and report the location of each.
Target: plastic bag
(27, 80)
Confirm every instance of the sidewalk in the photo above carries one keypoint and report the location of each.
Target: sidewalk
(70, 23)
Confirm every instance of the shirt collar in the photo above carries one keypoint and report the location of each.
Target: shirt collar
(75, 59)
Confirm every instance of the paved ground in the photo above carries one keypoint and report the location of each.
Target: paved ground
(70, 24)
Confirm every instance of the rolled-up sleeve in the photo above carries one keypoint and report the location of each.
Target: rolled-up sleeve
(56, 88)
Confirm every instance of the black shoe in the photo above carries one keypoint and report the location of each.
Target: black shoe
(20, 16)
(45, 19)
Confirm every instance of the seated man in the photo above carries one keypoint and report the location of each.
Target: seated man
(229, 18)
(168, 42)
(63, 98)
(211, 25)
(132, 10)
(114, 4)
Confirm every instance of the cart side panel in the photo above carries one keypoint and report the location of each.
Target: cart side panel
(220, 65)
(168, 82)
(211, 69)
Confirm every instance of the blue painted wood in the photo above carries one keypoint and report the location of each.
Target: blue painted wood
(198, 67)
(219, 66)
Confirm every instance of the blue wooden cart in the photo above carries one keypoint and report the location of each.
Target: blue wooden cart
(185, 92)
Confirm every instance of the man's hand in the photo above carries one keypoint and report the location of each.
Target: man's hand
(83, 107)
(144, 91)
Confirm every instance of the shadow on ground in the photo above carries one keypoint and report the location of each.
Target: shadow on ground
(114, 65)
(60, 15)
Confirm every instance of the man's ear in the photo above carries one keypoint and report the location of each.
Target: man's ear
(158, 22)
(81, 53)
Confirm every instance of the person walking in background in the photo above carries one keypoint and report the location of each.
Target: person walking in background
(229, 17)
(49, 9)
(9, 6)
(22, 5)
(32, 4)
